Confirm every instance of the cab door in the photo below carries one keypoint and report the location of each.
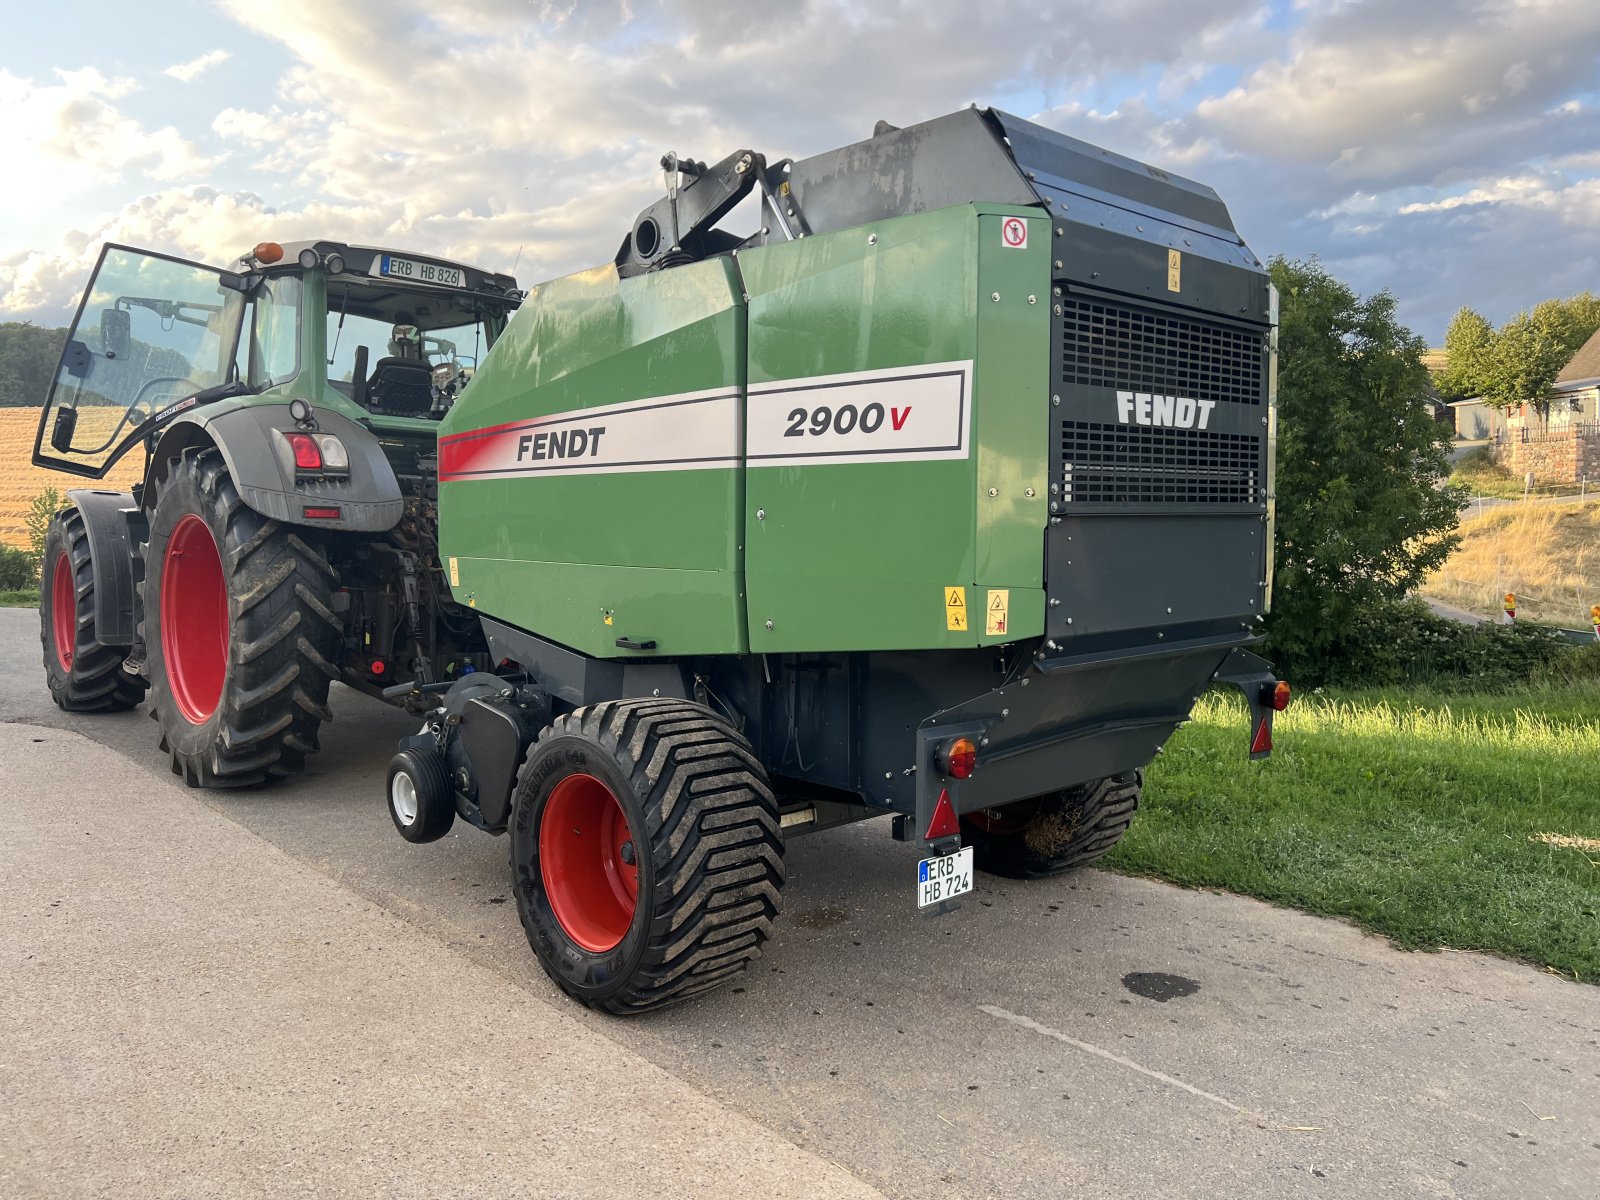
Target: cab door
(151, 334)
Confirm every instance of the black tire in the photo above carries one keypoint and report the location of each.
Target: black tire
(281, 636)
(693, 794)
(422, 802)
(84, 676)
(1054, 833)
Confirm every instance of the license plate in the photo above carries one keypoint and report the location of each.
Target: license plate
(944, 878)
(420, 272)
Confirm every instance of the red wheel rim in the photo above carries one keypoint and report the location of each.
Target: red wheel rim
(64, 610)
(581, 839)
(194, 619)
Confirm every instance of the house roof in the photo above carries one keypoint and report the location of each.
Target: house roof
(1584, 366)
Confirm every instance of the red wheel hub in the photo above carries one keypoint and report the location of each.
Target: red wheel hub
(194, 619)
(64, 610)
(589, 863)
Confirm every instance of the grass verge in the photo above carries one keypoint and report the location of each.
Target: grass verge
(24, 599)
(1480, 475)
(1548, 555)
(1405, 811)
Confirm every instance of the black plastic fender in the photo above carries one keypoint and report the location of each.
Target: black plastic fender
(115, 526)
(367, 499)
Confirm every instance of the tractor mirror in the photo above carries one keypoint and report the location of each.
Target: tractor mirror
(61, 433)
(116, 334)
(238, 283)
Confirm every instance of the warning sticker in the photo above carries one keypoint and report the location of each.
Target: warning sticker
(995, 612)
(1014, 233)
(955, 608)
(1174, 270)
(455, 574)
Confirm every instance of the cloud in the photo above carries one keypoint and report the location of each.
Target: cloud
(1427, 146)
(188, 72)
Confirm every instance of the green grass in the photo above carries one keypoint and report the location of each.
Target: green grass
(26, 599)
(1407, 812)
(1480, 475)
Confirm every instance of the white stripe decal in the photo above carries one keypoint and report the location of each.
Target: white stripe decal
(695, 431)
(899, 414)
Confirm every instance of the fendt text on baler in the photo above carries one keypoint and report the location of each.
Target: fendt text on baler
(941, 496)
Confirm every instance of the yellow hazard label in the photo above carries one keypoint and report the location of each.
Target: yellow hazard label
(1174, 270)
(455, 573)
(996, 611)
(955, 608)
(610, 618)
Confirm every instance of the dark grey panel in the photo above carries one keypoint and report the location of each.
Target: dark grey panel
(1152, 572)
(369, 499)
(956, 159)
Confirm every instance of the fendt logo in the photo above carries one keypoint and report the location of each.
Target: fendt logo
(1178, 412)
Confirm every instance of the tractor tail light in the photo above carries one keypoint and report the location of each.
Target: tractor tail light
(307, 454)
(959, 758)
(329, 512)
(1280, 697)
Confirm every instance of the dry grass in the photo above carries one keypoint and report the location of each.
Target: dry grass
(1547, 554)
(21, 481)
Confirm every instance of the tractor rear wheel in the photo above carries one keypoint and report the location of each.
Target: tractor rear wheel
(239, 635)
(84, 675)
(646, 853)
(1053, 833)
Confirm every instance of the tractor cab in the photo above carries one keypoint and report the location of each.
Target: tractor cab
(376, 336)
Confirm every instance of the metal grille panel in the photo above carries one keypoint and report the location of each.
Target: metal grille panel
(1115, 346)
(1133, 464)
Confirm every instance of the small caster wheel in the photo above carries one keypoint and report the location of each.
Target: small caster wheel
(421, 800)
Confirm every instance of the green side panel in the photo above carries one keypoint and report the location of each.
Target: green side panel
(1013, 413)
(858, 553)
(641, 549)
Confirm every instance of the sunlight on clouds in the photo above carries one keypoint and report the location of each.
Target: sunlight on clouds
(195, 67)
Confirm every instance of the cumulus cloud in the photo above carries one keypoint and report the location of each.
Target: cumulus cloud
(188, 72)
(1428, 146)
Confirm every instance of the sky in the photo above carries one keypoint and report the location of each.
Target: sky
(1448, 150)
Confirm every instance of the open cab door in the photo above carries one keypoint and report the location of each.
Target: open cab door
(153, 336)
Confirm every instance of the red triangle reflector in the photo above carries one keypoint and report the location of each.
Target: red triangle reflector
(1263, 739)
(944, 823)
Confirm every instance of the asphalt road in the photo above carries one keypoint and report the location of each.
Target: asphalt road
(1008, 1050)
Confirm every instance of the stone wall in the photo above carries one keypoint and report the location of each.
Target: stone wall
(1559, 456)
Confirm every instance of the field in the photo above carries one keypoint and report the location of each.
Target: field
(1467, 822)
(21, 481)
(1547, 554)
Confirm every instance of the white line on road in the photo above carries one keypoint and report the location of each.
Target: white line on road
(1089, 1048)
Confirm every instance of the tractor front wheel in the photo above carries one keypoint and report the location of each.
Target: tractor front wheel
(1058, 832)
(239, 634)
(646, 853)
(84, 675)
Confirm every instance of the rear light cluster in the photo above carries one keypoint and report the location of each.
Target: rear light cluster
(318, 453)
(1277, 697)
(958, 758)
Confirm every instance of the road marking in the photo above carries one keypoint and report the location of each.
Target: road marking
(1089, 1048)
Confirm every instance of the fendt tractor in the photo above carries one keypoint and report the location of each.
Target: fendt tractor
(941, 496)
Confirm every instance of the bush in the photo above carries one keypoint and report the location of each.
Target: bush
(1404, 642)
(19, 570)
(43, 507)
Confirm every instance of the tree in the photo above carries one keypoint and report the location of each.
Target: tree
(1518, 363)
(28, 357)
(1467, 343)
(1361, 516)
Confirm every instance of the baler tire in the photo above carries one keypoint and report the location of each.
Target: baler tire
(84, 675)
(1064, 831)
(260, 720)
(707, 866)
(432, 795)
